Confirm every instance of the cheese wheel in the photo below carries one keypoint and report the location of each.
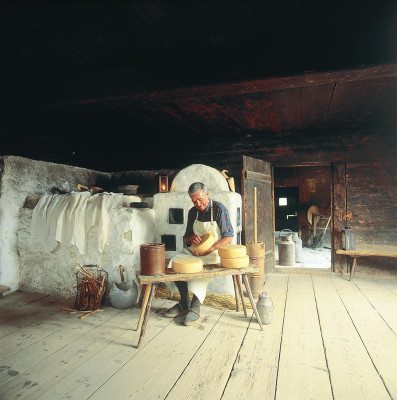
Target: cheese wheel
(232, 251)
(187, 265)
(238, 262)
(208, 239)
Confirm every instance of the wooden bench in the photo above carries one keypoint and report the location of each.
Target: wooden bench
(149, 285)
(370, 251)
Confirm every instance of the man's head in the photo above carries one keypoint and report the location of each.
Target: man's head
(198, 192)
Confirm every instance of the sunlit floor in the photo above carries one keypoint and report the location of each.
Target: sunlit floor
(330, 339)
(311, 258)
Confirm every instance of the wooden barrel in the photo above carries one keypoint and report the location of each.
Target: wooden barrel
(256, 253)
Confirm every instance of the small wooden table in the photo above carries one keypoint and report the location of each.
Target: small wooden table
(210, 271)
(370, 251)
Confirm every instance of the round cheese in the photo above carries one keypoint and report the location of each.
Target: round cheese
(208, 239)
(239, 262)
(232, 251)
(187, 265)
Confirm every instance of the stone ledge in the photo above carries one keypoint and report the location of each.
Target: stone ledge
(4, 289)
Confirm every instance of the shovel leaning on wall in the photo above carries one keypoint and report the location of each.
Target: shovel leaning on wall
(123, 294)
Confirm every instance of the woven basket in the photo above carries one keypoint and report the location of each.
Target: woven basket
(91, 286)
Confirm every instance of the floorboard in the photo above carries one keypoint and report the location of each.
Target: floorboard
(31, 313)
(380, 341)
(152, 377)
(208, 371)
(18, 299)
(34, 382)
(382, 299)
(353, 376)
(330, 339)
(81, 383)
(303, 372)
(257, 360)
(31, 356)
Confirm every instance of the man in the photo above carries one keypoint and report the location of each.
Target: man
(207, 216)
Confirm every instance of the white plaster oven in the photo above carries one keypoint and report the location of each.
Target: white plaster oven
(54, 272)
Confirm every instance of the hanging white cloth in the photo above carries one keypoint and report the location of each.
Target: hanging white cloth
(199, 286)
(67, 219)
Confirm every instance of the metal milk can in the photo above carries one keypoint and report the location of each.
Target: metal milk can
(264, 306)
(286, 248)
(298, 247)
(348, 239)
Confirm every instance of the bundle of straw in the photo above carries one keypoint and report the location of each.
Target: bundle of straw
(224, 302)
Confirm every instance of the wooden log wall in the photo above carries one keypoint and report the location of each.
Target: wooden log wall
(367, 192)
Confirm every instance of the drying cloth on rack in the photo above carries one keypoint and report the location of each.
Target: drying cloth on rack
(67, 219)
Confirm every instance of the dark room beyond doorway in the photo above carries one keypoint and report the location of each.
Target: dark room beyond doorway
(286, 208)
(296, 191)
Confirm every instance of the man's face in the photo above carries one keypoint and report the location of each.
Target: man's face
(200, 200)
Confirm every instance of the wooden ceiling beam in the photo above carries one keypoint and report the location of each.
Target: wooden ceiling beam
(262, 85)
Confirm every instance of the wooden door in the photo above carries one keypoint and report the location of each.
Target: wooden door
(259, 174)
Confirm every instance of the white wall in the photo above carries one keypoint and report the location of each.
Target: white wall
(20, 178)
(54, 272)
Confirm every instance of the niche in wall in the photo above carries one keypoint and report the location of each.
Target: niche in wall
(169, 241)
(175, 216)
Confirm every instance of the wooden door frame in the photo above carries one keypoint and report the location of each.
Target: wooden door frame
(337, 206)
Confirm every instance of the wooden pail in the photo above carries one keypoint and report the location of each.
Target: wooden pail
(256, 253)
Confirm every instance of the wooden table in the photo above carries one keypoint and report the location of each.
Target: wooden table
(210, 271)
(370, 251)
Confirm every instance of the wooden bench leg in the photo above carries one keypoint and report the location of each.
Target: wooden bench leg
(152, 289)
(240, 289)
(236, 292)
(146, 292)
(247, 286)
(352, 268)
(143, 290)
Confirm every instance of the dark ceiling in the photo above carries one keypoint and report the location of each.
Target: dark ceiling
(142, 85)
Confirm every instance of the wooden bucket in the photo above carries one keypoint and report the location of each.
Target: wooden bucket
(256, 253)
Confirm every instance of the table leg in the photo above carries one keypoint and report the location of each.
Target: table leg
(240, 288)
(143, 290)
(148, 288)
(236, 292)
(247, 286)
(352, 268)
(152, 288)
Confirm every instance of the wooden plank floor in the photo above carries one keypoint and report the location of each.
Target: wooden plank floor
(330, 339)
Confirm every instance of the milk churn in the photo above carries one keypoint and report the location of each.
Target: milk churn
(348, 239)
(264, 306)
(286, 248)
(298, 247)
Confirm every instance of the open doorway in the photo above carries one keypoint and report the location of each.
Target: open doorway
(286, 207)
(302, 197)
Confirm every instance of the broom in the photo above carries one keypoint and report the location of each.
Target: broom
(318, 239)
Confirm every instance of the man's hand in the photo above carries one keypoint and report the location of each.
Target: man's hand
(195, 239)
(204, 253)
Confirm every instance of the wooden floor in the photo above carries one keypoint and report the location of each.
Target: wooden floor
(330, 339)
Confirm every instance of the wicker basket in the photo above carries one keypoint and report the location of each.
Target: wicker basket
(91, 286)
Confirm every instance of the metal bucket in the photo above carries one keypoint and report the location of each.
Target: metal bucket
(298, 247)
(152, 258)
(286, 248)
(348, 242)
